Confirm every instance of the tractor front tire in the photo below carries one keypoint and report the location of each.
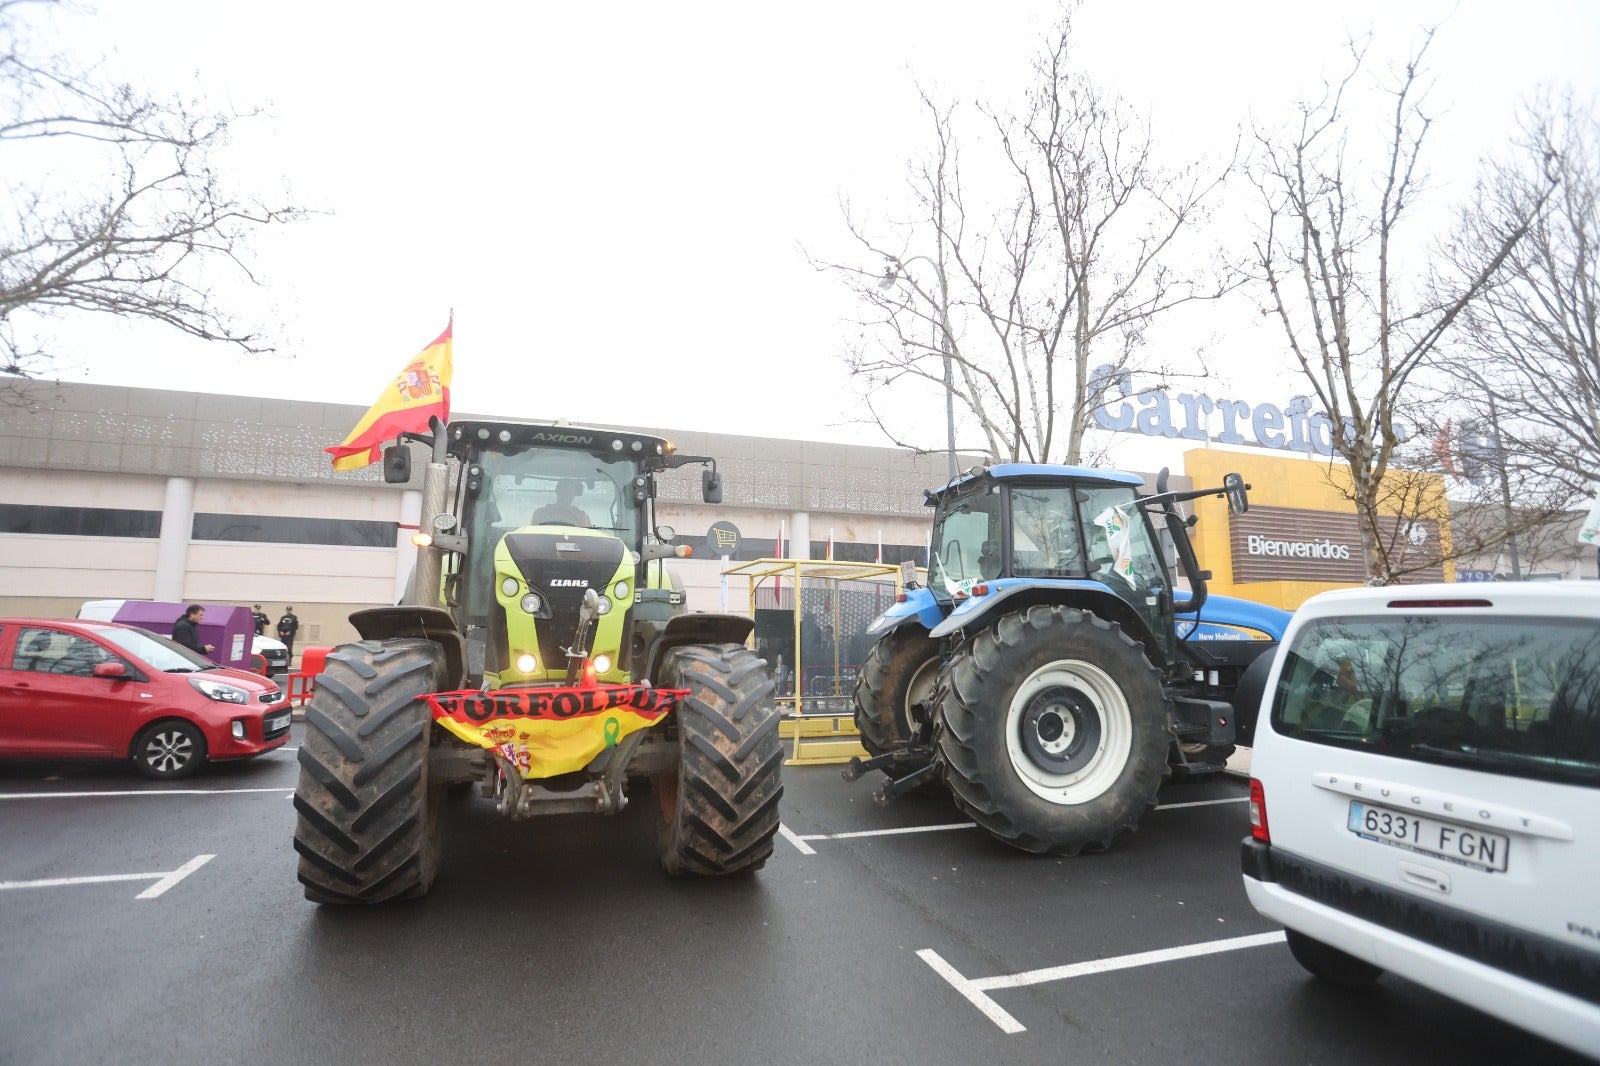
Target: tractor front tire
(718, 813)
(367, 827)
(899, 676)
(1052, 730)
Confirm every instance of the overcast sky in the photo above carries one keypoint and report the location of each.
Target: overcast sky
(616, 198)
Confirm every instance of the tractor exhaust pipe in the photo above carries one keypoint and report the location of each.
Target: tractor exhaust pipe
(424, 587)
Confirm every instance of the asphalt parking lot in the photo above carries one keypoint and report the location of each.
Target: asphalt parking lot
(162, 923)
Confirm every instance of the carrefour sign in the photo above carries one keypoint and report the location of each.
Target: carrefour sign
(1293, 427)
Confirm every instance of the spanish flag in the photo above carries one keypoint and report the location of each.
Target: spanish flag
(419, 392)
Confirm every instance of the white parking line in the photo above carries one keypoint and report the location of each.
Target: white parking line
(1203, 803)
(976, 990)
(890, 832)
(800, 845)
(175, 876)
(163, 880)
(799, 840)
(139, 792)
(991, 1010)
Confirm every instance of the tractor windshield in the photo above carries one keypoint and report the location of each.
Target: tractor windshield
(542, 486)
(966, 541)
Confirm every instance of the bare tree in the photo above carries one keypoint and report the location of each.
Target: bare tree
(1009, 303)
(1535, 333)
(1358, 326)
(144, 237)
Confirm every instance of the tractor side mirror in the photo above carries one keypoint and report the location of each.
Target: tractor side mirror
(710, 486)
(397, 464)
(1237, 492)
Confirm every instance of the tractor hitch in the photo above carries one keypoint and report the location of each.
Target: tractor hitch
(859, 767)
(901, 785)
(895, 786)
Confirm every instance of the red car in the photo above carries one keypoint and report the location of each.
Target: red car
(99, 690)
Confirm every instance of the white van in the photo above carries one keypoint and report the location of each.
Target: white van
(1425, 796)
(274, 651)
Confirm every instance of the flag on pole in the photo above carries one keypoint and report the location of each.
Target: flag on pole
(418, 393)
(830, 544)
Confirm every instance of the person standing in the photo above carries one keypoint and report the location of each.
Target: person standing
(186, 630)
(262, 621)
(288, 626)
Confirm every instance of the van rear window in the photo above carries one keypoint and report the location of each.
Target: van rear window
(1506, 695)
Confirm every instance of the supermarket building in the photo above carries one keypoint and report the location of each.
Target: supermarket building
(109, 492)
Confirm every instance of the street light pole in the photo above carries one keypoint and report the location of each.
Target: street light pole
(1500, 464)
(949, 402)
(895, 273)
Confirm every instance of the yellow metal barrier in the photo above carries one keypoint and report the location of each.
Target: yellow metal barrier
(820, 726)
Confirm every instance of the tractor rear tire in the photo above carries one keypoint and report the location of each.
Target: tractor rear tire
(718, 813)
(901, 672)
(1052, 730)
(367, 830)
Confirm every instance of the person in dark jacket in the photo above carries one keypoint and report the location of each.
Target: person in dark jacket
(288, 626)
(261, 620)
(186, 630)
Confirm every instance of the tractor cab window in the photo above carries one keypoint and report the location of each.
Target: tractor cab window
(538, 486)
(1122, 552)
(966, 541)
(1045, 540)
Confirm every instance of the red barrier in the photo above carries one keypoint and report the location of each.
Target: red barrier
(303, 682)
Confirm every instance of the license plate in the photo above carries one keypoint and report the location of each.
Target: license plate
(278, 721)
(1463, 844)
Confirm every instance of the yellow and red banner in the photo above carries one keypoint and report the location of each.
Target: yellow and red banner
(418, 393)
(553, 730)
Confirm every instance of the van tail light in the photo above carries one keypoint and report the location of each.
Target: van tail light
(1258, 812)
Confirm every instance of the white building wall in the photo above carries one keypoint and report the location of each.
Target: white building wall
(77, 568)
(73, 488)
(222, 572)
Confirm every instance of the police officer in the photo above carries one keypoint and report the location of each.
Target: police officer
(288, 626)
(262, 621)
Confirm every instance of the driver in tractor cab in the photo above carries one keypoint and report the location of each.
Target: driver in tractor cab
(564, 512)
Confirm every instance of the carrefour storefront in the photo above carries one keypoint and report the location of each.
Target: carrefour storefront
(1300, 536)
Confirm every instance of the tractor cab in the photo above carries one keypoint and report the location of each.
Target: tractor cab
(548, 518)
(1005, 528)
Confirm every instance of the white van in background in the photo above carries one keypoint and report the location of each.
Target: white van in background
(274, 651)
(1425, 796)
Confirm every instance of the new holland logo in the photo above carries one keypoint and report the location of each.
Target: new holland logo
(569, 583)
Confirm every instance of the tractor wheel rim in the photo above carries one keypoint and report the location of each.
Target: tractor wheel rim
(919, 693)
(168, 752)
(1068, 732)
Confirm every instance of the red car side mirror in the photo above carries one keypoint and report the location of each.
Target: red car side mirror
(111, 670)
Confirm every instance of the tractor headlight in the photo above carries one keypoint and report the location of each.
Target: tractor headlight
(620, 592)
(509, 586)
(602, 664)
(527, 664)
(605, 606)
(533, 603)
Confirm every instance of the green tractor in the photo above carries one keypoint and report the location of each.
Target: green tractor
(543, 653)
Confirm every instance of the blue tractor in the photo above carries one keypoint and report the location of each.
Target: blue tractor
(1053, 672)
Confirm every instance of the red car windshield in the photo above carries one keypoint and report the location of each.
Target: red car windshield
(159, 652)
